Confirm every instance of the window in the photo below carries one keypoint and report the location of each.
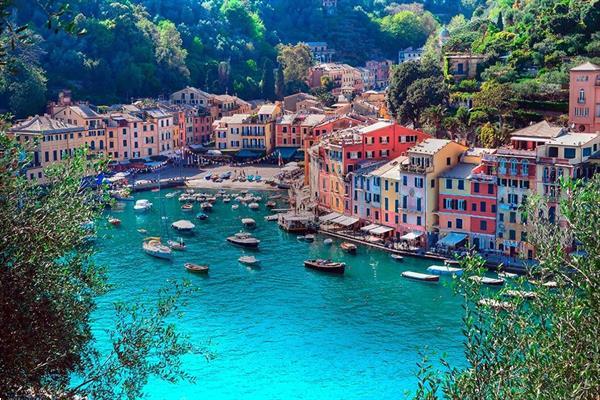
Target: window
(482, 206)
(569, 153)
(418, 204)
(433, 183)
(419, 221)
(581, 98)
(512, 217)
(473, 206)
(450, 224)
(490, 189)
(404, 202)
(587, 151)
(524, 236)
(404, 218)
(448, 161)
(512, 235)
(459, 224)
(448, 183)
(476, 187)
(404, 180)
(461, 184)
(483, 225)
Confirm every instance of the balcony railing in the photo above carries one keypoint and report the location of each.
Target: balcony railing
(415, 168)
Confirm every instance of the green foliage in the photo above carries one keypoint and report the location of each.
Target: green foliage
(544, 347)
(407, 28)
(413, 88)
(48, 289)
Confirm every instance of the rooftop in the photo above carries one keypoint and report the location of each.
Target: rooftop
(430, 146)
(587, 66)
(43, 124)
(540, 130)
(574, 139)
(375, 127)
(393, 172)
(268, 108)
(459, 171)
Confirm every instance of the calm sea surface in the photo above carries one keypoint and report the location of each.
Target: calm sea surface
(281, 331)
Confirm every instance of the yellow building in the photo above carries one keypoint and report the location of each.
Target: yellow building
(83, 116)
(50, 140)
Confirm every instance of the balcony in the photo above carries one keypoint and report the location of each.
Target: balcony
(515, 153)
(418, 169)
(481, 177)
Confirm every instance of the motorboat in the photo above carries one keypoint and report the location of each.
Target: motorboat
(187, 207)
(142, 205)
(201, 216)
(244, 239)
(397, 257)
(114, 221)
(249, 260)
(507, 275)
(199, 269)
(226, 199)
(154, 247)
(185, 197)
(275, 197)
(183, 225)
(451, 263)
(257, 178)
(222, 192)
(271, 204)
(206, 206)
(171, 195)
(142, 231)
(309, 238)
(176, 245)
(248, 222)
(155, 190)
(273, 217)
(484, 280)
(444, 270)
(348, 247)
(253, 206)
(420, 277)
(326, 266)
(328, 242)
(235, 206)
(547, 284)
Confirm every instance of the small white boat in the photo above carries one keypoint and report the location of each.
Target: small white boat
(154, 247)
(309, 238)
(183, 226)
(507, 275)
(244, 239)
(171, 194)
(397, 257)
(444, 270)
(226, 199)
(273, 217)
(206, 206)
(547, 284)
(187, 207)
(420, 277)
(253, 206)
(248, 222)
(249, 260)
(520, 294)
(142, 205)
(142, 231)
(496, 304)
(114, 221)
(484, 280)
(200, 269)
(176, 245)
(328, 242)
(235, 207)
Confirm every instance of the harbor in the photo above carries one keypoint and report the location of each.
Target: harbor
(278, 320)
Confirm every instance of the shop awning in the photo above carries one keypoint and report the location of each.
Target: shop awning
(247, 153)
(381, 230)
(369, 227)
(345, 221)
(329, 217)
(452, 239)
(287, 153)
(411, 235)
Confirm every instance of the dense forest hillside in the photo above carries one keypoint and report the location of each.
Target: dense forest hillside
(136, 48)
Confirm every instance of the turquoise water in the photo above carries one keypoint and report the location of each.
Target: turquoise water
(281, 331)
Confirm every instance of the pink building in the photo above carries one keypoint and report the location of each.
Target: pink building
(584, 97)
(380, 70)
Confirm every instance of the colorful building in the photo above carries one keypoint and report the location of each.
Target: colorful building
(584, 97)
(419, 189)
(50, 141)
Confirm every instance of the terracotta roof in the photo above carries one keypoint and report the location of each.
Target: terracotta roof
(43, 125)
(540, 130)
(587, 66)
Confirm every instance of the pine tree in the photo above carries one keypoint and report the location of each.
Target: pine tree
(267, 83)
(279, 83)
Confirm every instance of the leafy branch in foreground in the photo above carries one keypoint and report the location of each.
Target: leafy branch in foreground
(49, 284)
(533, 341)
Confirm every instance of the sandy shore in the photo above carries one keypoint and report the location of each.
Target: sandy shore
(194, 177)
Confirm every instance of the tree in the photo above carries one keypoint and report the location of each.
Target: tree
(267, 83)
(23, 87)
(491, 137)
(49, 285)
(422, 94)
(295, 61)
(496, 99)
(402, 77)
(279, 83)
(532, 341)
